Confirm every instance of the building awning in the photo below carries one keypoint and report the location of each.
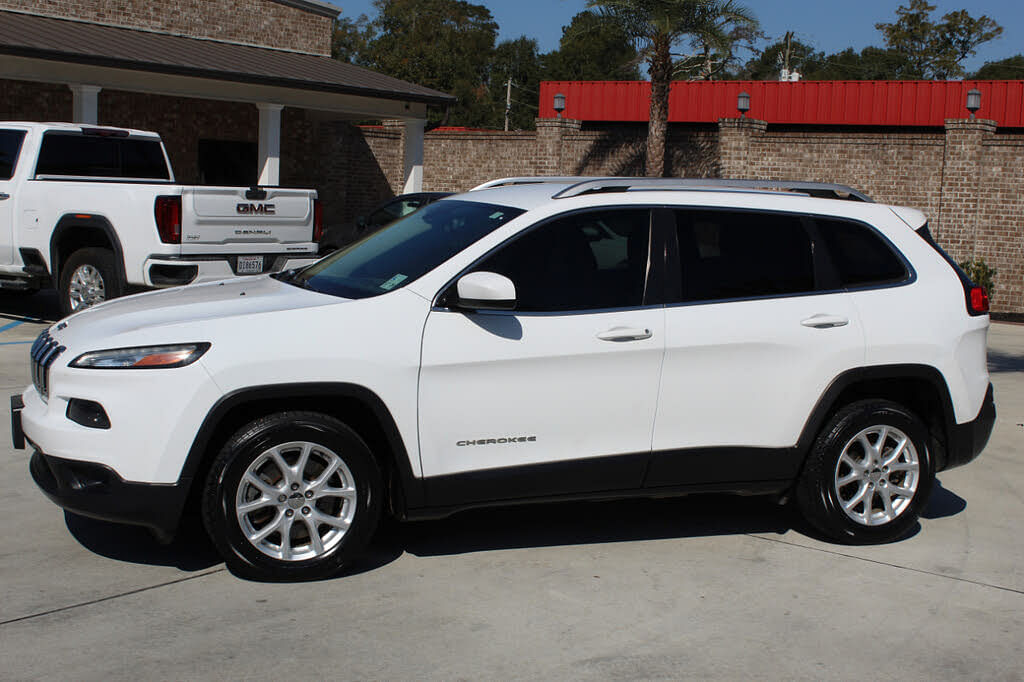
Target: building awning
(25, 36)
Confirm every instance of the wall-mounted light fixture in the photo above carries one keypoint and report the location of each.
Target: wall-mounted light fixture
(559, 104)
(743, 104)
(973, 101)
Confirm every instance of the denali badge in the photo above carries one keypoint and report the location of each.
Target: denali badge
(256, 209)
(497, 441)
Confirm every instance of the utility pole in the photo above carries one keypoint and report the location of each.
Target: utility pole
(789, 48)
(508, 101)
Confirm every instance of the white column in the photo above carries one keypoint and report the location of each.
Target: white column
(85, 103)
(414, 155)
(270, 144)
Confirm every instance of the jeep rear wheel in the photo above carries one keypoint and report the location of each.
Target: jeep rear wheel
(869, 474)
(292, 496)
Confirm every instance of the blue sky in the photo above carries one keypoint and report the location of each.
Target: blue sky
(829, 25)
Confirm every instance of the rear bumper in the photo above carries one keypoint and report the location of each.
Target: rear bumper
(966, 441)
(165, 271)
(97, 491)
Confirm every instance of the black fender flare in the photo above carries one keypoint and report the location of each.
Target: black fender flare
(411, 492)
(827, 402)
(72, 221)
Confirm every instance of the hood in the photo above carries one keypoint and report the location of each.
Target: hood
(195, 303)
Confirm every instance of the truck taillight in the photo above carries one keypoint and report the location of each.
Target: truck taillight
(318, 220)
(978, 300)
(168, 219)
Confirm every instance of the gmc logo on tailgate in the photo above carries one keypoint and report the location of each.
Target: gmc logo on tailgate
(255, 209)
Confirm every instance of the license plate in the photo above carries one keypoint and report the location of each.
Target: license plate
(249, 265)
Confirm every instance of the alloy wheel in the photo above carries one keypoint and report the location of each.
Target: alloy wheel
(877, 475)
(296, 501)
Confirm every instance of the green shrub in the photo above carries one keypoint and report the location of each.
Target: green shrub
(981, 274)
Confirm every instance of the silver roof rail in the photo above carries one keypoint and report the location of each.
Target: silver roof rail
(823, 190)
(535, 180)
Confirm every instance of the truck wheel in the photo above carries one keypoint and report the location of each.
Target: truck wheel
(869, 474)
(292, 496)
(89, 276)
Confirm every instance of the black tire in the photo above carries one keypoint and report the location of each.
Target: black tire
(821, 498)
(247, 448)
(102, 262)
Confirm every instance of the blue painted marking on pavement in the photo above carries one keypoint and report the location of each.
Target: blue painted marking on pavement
(12, 325)
(16, 343)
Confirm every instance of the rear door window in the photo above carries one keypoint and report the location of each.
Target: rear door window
(10, 147)
(74, 155)
(726, 255)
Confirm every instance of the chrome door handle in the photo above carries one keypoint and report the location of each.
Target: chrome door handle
(822, 321)
(625, 334)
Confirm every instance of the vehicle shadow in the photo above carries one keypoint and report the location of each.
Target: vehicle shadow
(521, 527)
(943, 503)
(1004, 362)
(577, 523)
(190, 551)
(41, 306)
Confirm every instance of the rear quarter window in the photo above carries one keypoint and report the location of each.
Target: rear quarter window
(860, 255)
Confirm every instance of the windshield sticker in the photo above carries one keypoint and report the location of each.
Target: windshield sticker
(393, 282)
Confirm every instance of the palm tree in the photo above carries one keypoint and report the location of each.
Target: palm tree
(657, 26)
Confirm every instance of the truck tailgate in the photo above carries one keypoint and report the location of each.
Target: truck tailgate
(223, 215)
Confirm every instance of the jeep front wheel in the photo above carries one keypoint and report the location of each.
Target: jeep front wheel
(292, 496)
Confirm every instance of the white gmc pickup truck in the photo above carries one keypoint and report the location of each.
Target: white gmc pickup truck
(96, 212)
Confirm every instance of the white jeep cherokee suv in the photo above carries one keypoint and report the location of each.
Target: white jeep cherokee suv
(531, 340)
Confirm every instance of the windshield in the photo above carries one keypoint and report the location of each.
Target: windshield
(404, 251)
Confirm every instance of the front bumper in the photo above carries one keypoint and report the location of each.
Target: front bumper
(966, 441)
(97, 491)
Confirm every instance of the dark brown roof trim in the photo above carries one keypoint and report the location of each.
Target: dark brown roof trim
(255, 79)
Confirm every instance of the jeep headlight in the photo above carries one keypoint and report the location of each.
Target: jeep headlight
(142, 357)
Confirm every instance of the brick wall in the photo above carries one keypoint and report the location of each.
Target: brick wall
(456, 161)
(250, 22)
(999, 217)
(25, 101)
(966, 178)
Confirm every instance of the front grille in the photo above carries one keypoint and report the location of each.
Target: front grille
(44, 352)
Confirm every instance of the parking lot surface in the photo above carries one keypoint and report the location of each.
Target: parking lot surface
(702, 587)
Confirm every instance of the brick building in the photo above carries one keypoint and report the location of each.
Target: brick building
(242, 91)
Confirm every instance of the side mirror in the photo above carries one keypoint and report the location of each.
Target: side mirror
(486, 291)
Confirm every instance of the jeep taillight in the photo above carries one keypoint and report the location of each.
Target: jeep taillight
(318, 220)
(167, 211)
(978, 300)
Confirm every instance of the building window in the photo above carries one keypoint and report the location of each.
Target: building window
(228, 163)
